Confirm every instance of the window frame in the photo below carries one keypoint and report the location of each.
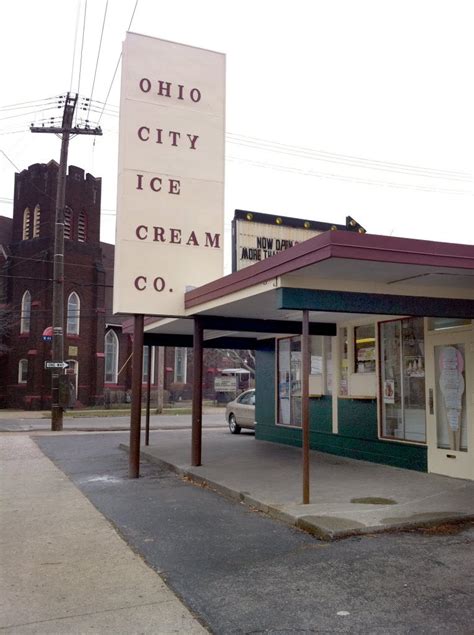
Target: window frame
(36, 221)
(23, 371)
(381, 378)
(183, 362)
(68, 223)
(82, 227)
(289, 384)
(146, 370)
(73, 364)
(356, 366)
(26, 224)
(73, 319)
(115, 339)
(25, 313)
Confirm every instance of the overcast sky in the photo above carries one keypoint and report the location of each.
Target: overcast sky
(334, 107)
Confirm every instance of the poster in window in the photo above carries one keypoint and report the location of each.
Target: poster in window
(452, 385)
(316, 364)
(389, 391)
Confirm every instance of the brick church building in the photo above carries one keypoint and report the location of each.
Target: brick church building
(96, 348)
(26, 257)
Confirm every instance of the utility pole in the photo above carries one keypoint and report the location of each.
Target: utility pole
(66, 130)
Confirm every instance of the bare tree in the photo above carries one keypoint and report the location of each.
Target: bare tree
(238, 358)
(6, 321)
(242, 359)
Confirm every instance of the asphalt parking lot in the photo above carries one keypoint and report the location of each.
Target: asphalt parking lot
(240, 571)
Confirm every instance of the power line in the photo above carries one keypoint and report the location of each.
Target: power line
(78, 7)
(346, 156)
(118, 62)
(82, 47)
(8, 159)
(330, 157)
(72, 282)
(101, 103)
(339, 177)
(98, 56)
(67, 263)
(5, 132)
(26, 114)
(28, 104)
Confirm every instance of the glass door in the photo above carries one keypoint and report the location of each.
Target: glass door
(289, 381)
(450, 403)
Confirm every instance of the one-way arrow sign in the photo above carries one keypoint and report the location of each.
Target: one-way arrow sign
(56, 365)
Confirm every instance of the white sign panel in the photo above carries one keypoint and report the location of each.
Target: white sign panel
(225, 384)
(170, 206)
(258, 241)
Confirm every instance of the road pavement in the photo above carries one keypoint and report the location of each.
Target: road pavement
(27, 422)
(242, 572)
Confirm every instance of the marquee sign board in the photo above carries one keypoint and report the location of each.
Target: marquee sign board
(170, 196)
(257, 236)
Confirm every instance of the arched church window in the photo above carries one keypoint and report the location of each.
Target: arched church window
(111, 357)
(36, 221)
(25, 317)
(26, 223)
(73, 314)
(82, 227)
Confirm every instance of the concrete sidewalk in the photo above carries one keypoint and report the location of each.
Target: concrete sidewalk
(212, 418)
(64, 569)
(23, 415)
(347, 496)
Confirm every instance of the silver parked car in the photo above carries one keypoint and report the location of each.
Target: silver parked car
(240, 413)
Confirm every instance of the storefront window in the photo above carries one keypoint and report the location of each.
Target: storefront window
(289, 375)
(327, 353)
(402, 353)
(343, 380)
(289, 381)
(364, 349)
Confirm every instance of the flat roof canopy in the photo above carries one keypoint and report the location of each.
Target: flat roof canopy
(338, 277)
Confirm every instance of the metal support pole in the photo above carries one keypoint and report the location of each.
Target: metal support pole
(148, 397)
(160, 366)
(197, 394)
(136, 411)
(305, 370)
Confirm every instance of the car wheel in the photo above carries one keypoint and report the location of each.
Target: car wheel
(233, 425)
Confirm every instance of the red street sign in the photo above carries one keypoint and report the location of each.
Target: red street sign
(48, 334)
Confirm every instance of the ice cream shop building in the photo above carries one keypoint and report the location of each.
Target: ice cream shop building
(390, 359)
(364, 343)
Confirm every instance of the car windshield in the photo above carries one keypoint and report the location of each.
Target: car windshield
(247, 398)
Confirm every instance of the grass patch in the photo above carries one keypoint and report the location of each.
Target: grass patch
(373, 500)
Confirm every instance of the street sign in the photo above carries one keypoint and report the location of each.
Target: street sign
(48, 334)
(225, 384)
(56, 365)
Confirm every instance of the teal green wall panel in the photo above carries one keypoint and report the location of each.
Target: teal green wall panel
(358, 418)
(265, 385)
(320, 414)
(357, 438)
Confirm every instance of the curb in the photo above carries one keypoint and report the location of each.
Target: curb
(304, 523)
